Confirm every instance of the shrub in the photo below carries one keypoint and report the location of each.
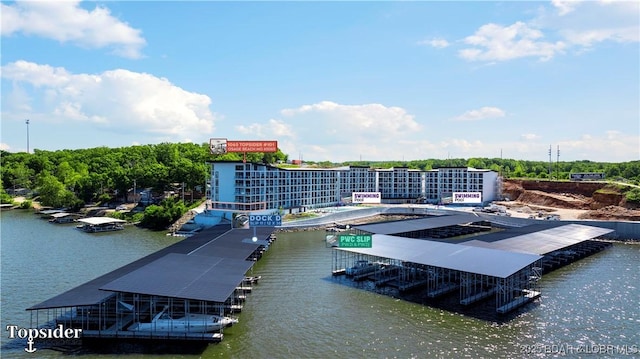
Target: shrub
(633, 195)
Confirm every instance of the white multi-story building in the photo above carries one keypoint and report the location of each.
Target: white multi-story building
(441, 183)
(252, 187)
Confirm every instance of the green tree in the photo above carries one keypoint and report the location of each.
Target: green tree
(5, 198)
(161, 216)
(53, 193)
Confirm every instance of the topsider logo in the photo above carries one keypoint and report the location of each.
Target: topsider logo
(57, 334)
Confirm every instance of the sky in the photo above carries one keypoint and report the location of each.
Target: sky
(330, 81)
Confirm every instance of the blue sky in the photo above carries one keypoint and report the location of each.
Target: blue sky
(330, 81)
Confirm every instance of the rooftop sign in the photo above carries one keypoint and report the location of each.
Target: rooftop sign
(252, 146)
(220, 146)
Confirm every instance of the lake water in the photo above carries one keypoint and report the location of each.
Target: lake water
(298, 310)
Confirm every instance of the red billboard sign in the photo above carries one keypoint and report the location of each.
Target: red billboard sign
(252, 146)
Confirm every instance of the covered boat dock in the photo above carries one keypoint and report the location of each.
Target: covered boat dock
(441, 268)
(560, 245)
(100, 224)
(196, 277)
(433, 255)
(432, 227)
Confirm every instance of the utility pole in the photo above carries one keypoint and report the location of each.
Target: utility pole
(558, 164)
(27, 122)
(549, 162)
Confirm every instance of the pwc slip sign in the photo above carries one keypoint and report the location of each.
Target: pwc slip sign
(265, 221)
(355, 241)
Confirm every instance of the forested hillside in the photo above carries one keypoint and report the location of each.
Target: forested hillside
(70, 178)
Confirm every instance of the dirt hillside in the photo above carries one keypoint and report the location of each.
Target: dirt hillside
(595, 200)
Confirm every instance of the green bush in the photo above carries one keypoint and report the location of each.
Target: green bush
(633, 195)
(26, 204)
(104, 198)
(162, 216)
(5, 198)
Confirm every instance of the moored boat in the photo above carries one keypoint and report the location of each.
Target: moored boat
(191, 323)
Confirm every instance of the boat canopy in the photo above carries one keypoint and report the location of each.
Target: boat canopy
(100, 220)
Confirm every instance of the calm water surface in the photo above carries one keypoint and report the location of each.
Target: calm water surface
(299, 311)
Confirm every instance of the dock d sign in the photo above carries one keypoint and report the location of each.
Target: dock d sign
(355, 241)
(265, 221)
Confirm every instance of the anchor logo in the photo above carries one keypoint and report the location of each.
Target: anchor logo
(30, 348)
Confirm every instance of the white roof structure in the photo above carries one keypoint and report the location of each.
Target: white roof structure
(546, 241)
(491, 262)
(63, 214)
(100, 220)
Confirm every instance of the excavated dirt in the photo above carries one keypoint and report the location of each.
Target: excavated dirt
(582, 200)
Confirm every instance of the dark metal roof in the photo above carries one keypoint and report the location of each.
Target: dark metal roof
(184, 276)
(89, 293)
(491, 262)
(536, 226)
(396, 227)
(228, 246)
(542, 241)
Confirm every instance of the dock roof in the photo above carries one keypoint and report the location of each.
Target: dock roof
(63, 214)
(544, 241)
(184, 276)
(89, 293)
(425, 223)
(100, 220)
(491, 262)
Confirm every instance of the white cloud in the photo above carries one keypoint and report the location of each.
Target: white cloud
(480, 114)
(593, 22)
(435, 42)
(347, 121)
(574, 25)
(612, 146)
(67, 21)
(565, 6)
(273, 129)
(588, 38)
(530, 136)
(328, 131)
(493, 42)
(114, 99)
(254, 129)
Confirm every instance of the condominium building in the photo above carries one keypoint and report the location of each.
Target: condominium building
(252, 187)
(441, 183)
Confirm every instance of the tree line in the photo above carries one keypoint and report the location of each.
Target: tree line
(72, 178)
